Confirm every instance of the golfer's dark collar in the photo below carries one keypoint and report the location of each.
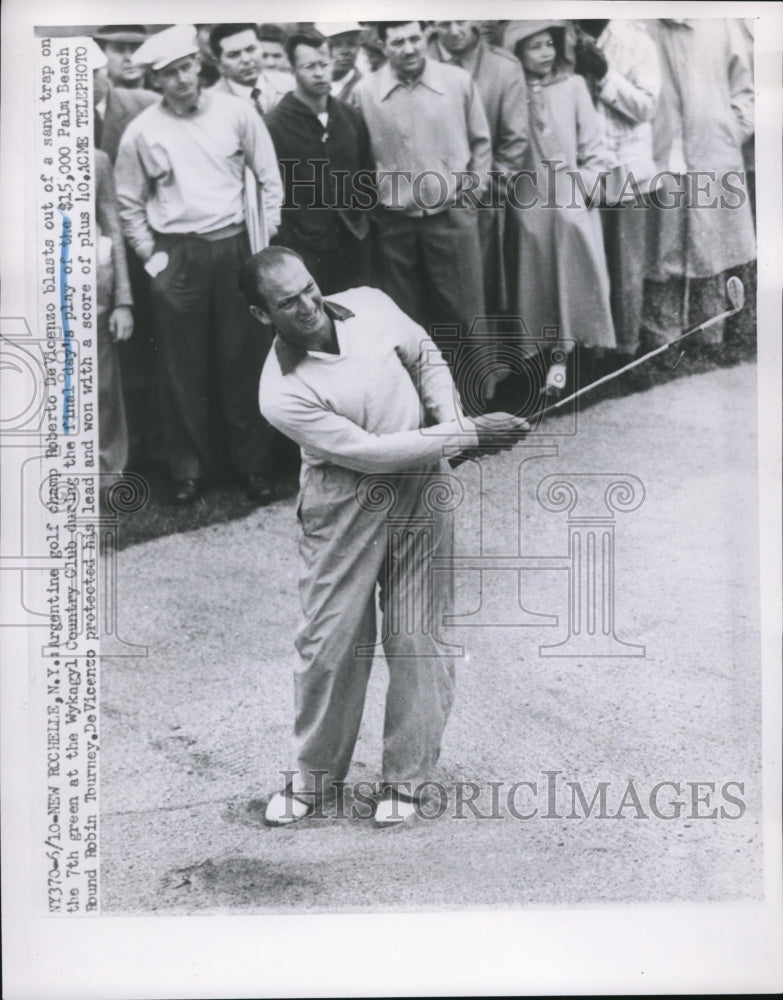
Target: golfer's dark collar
(289, 356)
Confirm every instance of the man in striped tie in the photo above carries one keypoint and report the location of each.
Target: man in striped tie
(238, 52)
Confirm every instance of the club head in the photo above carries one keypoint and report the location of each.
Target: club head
(735, 293)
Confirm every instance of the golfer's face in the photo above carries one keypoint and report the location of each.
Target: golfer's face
(296, 307)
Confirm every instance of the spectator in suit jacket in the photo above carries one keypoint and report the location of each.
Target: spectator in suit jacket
(237, 49)
(115, 107)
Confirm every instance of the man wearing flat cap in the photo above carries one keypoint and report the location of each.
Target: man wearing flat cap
(180, 183)
(119, 43)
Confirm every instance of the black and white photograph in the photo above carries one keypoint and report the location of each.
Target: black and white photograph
(390, 443)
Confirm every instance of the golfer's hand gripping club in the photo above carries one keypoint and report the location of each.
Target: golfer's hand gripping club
(497, 432)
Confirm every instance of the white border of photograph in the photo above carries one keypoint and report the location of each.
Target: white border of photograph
(637, 949)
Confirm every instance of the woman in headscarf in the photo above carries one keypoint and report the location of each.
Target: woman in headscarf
(556, 265)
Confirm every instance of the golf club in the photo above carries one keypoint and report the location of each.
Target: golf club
(735, 293)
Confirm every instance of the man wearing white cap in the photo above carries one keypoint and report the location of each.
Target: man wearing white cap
(344, 47)
(180, 183)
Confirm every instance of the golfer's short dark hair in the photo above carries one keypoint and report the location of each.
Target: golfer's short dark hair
(314, 39)
(382, 26)
(257, 267)
(221, 31)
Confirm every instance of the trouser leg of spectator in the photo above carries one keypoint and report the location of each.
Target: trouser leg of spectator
(180, 297)
(401, 265)
(240, 347)
(414, 601)
(491, 222)
(112, 426)
(663, 316)
(707, 298)
(139, 374)
(740, 331)
(452, 260)
(341, 551)
(353, 263)
(491, 234)
(451, 253)
(625, 234)
(664, 306)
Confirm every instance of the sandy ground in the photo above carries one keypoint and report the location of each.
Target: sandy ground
(195, 734)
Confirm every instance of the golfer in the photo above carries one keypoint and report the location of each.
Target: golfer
(365, 393)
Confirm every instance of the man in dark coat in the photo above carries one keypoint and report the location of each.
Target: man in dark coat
(322, 145)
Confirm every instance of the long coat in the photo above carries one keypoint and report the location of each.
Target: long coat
(501, 85)
(555, 254)
(704, 116)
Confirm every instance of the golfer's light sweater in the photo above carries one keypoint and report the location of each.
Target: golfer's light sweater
(365, 408)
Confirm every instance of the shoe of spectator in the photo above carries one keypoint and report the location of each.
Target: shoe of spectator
(394, 809)
(260, 489)
(185, 491)
(285, 808)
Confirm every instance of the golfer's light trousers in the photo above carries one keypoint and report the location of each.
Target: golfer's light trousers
(358, 532)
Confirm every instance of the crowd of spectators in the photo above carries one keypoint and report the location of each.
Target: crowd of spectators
(556, 196)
